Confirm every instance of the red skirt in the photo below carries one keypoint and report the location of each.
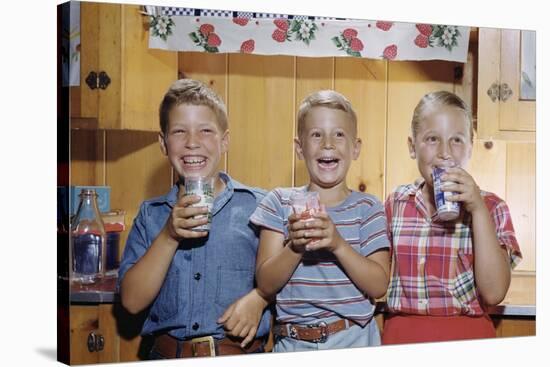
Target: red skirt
(400, 329)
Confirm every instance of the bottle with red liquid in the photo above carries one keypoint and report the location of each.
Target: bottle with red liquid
(88, 241)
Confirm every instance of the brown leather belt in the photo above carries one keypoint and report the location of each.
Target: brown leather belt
(312, 333)
(171, 347)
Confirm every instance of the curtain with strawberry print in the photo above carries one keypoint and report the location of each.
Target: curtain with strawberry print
(184, 29)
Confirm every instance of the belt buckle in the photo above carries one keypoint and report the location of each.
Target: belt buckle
(203, 339)
(324, 334)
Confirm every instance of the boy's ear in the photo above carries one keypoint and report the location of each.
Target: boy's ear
(412, 152)
(162, 144)
(357, 148)
(225, 141)
(298, 149)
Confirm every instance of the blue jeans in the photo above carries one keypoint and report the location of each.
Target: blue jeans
(353, 337)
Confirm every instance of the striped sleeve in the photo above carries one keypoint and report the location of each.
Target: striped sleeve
(373, 230)
(270, 213)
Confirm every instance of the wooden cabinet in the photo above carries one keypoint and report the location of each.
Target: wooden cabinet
(502, 114)
(93, 325)
(105, 333)
(114, 45)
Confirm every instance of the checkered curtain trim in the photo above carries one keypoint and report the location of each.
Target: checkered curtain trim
(171, 11)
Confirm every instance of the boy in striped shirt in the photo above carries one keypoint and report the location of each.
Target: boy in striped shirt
(325, 271)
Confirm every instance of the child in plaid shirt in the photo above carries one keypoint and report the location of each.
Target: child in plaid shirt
(445, 273)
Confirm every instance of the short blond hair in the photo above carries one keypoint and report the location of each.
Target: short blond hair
(329, 99)
(439, 99)
(192, 92)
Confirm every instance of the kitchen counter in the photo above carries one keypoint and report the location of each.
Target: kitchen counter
(105, 292)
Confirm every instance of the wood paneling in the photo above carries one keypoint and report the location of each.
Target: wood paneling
(364, 83)
(514, 326)
(87, 157)
(136, 170)
(83, 320)
(488, 166)
(522, 289)
(107, 321)
(88, 99)
(520, 195)
(261, 111)
(407, 83)
(151, 71)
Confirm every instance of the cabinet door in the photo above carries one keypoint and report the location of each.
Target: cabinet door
(99, 320)
(510, 117)
(114, 41)
(83, 321)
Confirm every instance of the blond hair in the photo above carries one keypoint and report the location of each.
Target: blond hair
(325, 98)
(192, 92)
(439, 99)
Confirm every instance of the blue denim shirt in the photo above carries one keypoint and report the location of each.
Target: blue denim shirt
(206, 275)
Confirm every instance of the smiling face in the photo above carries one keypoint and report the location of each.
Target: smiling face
(442, 139)
(194, 142)
(327, 143)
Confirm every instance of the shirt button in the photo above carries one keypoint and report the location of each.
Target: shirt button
(422, 302)
(197, 276)
(422, 260)
(195, 326)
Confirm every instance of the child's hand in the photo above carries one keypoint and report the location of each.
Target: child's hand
(465, 188)
(242, 317)
(181, 221)
(296, 232)
(320, 233)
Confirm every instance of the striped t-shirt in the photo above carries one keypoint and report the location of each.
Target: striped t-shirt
(319, 290)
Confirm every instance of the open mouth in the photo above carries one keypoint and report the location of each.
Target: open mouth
(194, 162)
(328, 163)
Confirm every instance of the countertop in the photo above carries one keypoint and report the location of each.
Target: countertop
(105, 292)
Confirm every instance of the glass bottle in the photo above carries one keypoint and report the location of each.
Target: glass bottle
(88, 240)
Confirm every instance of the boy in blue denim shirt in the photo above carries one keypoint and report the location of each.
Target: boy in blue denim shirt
(199, 285)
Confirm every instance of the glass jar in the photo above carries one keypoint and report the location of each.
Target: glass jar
(88, 241)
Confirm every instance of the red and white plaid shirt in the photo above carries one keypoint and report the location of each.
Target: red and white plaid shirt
(433, 261)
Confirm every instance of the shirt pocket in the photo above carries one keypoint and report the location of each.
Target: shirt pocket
(232, 284)
(167, 303)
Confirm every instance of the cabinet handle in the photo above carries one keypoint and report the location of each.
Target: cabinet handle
(91, 80)
(95, 342)
(95, 80)
(103, 80)
(505, 92)
(494, 92)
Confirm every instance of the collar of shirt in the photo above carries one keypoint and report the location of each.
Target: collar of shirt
(414, 192)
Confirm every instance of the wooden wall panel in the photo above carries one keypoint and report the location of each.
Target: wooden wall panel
(407, 82)
(110, 60)
(210, 69)
(86, 104)
(83, 320)
(136, 170)
(111, 350)
(87, 156)
(488, 166)
(312, 74)
(364, 82)
(156, 70)
(261, 103)
(520, 196)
